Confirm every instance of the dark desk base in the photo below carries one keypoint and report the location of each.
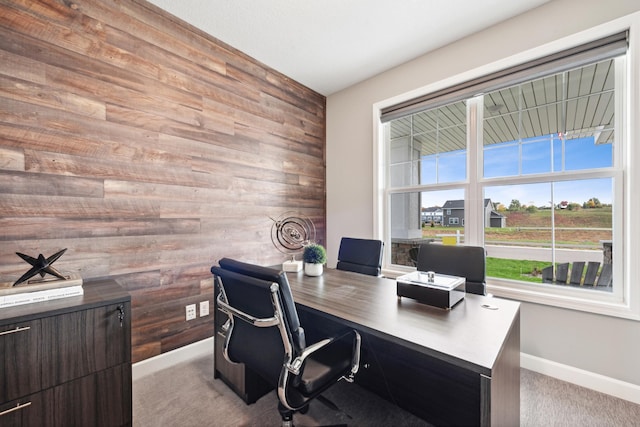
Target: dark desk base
(437, 391)
(246, 384)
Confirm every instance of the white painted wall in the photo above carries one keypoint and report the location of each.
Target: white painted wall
(603, 345)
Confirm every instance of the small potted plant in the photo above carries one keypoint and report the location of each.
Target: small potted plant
(314, 256)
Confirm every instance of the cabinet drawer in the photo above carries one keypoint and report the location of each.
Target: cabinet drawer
(33, 410)
(22, 359)
(100, 399)
(86, 341)
(41, 353)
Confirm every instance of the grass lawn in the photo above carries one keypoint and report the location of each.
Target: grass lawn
(515, 269)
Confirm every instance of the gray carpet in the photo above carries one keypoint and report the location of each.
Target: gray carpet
(187, 395)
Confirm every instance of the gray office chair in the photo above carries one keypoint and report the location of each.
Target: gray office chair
(264, 333)
(361, 256)
(459, 260)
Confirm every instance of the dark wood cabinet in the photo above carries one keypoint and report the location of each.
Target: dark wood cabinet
(68, 362)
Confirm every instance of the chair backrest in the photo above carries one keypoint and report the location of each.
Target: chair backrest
(248, 288)
(606, 276)
(360, 255)
(460, 260)
(592, 272)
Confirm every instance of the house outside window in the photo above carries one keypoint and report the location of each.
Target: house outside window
(546, 196)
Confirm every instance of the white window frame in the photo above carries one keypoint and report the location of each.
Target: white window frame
(625, 302)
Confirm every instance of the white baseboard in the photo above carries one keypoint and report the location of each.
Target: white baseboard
(597, 382)
(170, 358)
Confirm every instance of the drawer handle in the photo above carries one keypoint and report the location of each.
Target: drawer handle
(18, 406)
(13, 331)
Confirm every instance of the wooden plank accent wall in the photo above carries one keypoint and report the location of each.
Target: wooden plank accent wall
(150, 150)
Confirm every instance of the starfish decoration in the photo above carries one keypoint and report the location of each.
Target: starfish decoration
(40, 265)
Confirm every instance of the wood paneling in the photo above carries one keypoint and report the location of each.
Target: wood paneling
(149, 150)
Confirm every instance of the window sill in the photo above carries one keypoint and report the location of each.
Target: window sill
(572, 299)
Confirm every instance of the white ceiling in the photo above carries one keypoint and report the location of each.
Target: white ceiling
(329, 45)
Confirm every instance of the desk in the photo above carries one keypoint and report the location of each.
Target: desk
(449, 367)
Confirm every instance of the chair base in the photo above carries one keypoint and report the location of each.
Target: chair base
(287, 414)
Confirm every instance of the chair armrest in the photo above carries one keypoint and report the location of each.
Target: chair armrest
(295, 365)
(255, 321)
(355, 360)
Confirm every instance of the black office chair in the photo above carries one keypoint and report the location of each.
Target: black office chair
(361, 256)
(456, 260)
(264, 333)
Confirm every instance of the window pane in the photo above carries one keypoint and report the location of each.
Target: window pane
(442, 135)
(404, 162)
(501, 160)
(447, 209)
(525, 217)
(405, 216)
(584, 153)
(429, 171)
(452, 167)
(574, 235)
(429, 147)
(558, 123)
(536, 155)
(416, 217)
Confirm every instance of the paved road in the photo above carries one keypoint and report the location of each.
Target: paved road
(540, 254)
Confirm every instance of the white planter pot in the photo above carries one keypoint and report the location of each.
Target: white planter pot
(312, 269)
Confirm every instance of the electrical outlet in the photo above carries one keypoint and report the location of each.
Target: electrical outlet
(191, 311)
(204, 308)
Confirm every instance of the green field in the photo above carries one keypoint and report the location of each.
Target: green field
(582, 229)
(582, 218)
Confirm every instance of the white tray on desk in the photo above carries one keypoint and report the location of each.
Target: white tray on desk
(444, 291)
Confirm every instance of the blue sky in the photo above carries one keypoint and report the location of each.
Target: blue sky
(530, 156)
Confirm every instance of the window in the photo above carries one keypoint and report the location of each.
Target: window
(528, 164)
(547, 151)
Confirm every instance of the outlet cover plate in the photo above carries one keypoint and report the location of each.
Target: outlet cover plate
(204, 308)
(191, 311)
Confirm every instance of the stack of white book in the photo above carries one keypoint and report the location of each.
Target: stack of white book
(39, 291)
